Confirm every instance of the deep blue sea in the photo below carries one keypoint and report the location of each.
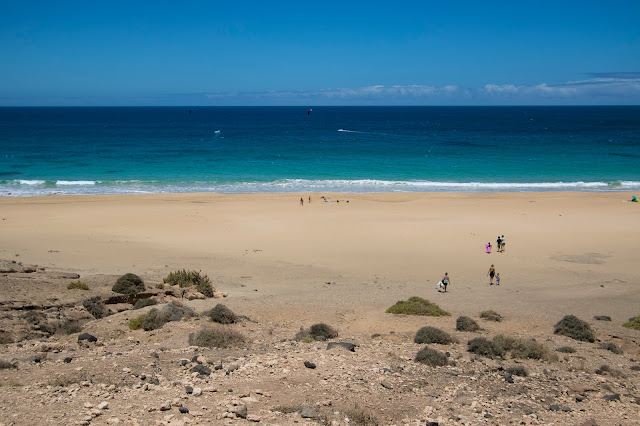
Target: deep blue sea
(46, 151)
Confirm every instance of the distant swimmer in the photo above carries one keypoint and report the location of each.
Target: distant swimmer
(309, 111)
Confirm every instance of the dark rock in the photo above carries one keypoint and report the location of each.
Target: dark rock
(88, 337)
(386, 385)
(155, 355)
(554, 407)
(432, 424)
(201, 369)
(309, 365)
(320, 339)
(218, 367)
(566, 409)
(613, 397)
(195, 359)
(143, 377)
(348, 346)
(637, 400)
(67, 360)
(184, 362)
(183, 410)
(242, 411)
(154, 381)
(385, 370)
(307, 412)
(508, 378)
(487, 416)
(188, 389)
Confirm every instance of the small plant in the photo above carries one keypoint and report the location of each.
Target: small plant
(484, 347)
(517, 370)
(143, 303)
(222, 315)
(433, 335)
(95, 306)
(575, 328)
(491, 316)
(156, 318)
(466, 324)
(566, 350)
(216, 337)
(186, 278)
(610, 347)
(77, 285)
(633, 323)
(359, 417)
(128, 284)
(431, 357)
(417, 306)
(153, 320)
(136, 323)
(602, 318)
(606, 370)
(6, 364)
(66, 327)
(176, 311)
(160, 286)
(320, 330)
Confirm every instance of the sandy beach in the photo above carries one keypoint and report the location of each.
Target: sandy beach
(344, 261)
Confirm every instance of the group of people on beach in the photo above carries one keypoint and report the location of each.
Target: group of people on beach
(323, 198)
(500, 242)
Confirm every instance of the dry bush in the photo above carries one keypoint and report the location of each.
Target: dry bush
(612, 347)
(6, 364)
(95, 306)
(143, 303)
(602, 318)
(175, 311)
(433, 335)
(575, 328)
(360, 417)
(320, 330)
(222, 315)
(417, 306)
(431, 357)
(566, 350)
(491, 316)
(128, 284)
(154, 319)
(484, 347)
(517, 370)
(606, 370)
(186, 278)
(77, 285)
(216, 337)
(66, 327)
(466, 324)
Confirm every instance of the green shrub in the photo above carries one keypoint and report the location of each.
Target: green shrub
(517, 370)
(433, 335)
(186, 278)
(95, 306)
(521, 348)
(222, 315)
(431, 357)
(610, 347)
(317, 330)
(602, 318)
(484, 347)
(633, 323)
(417, 306)
(128, 284)
(143, 303)
(77, 285)
(466, 324)
(491, 316)
(136, 323)
(155, 318)
(575, 328)
(176, 311)
(216, 337)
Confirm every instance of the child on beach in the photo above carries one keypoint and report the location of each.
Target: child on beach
(498, 278)
(488, 247)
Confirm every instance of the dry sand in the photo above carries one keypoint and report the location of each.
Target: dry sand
(345, 261)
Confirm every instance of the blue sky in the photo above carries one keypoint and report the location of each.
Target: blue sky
(319, 53)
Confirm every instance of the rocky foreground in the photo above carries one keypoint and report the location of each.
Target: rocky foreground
(60, 365)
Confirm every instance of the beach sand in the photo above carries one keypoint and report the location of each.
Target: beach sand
(344, 262)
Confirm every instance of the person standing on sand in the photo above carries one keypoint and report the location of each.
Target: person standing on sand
(488, 247)
(309, 199)
(498, 278)
(491, 273)
(502, 243)
(445, 281)
(301, 201)
(498, 241)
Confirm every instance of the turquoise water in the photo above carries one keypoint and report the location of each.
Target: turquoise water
(344, 149)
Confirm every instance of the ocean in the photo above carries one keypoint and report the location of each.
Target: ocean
(126, 150)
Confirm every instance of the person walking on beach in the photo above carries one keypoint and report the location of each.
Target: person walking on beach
(498, 241)
(301, 201)
(491, 273)
(498, 278)
(445, 281)
(309, 199)
(488, 247)
(502, 243)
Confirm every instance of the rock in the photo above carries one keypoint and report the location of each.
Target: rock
(320, 338)
(307, 412)
(197, 391)
(232, 369)
(613, 397)
(201, 369)
(218, 367)
(88, 337)
(253, 418)
(348, 346)
(67, 360)
(103, 405)
(309, 365)
(155, 355)
(184, 362)
(183, 410)
(166, 406)
(386, 385)
(241, 411)
(432, 424)
(554, 407)
(188, 389)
